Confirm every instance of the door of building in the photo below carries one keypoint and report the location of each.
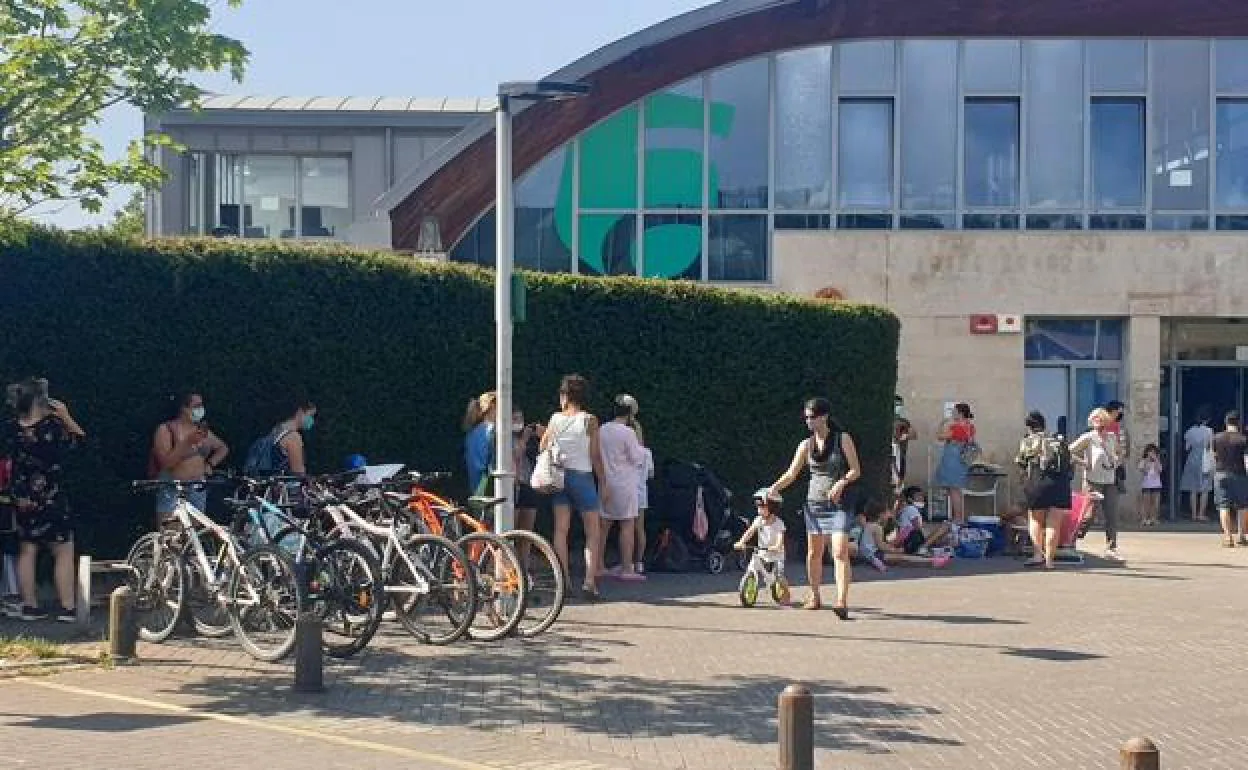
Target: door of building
(1198, 389)
(1066, 393)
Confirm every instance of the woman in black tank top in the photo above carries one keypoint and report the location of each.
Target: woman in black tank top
(832, 459)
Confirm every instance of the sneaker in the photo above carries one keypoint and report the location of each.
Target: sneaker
(1112, 554)
(11, 609)
(67, 616)
(640, 568)
(31, 613)
(631, 577)
(923, 551)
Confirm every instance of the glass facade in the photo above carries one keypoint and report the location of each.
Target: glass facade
(268, 196)
(1046, 135)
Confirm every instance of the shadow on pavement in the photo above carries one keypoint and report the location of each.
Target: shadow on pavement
(100, 722)
(552, 685)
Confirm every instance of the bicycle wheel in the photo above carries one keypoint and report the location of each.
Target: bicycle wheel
(264, 598)
(204, 593)
(547, 588)
(351, 596)
(433, 587)
(158, 583)
(501, 585)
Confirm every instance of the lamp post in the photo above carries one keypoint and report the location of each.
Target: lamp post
(504, 259)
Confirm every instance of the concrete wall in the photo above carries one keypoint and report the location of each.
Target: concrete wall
(378, 158)
(935, 281)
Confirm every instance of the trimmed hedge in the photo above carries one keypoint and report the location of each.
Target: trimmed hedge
(391, 350)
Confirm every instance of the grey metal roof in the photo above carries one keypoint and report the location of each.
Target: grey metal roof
(347, 103)
(586, 65)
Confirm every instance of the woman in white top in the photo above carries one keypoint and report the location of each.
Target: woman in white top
(624, 461)
(643, 491)
(1196, 481)
(1098, 452)
(575, 432)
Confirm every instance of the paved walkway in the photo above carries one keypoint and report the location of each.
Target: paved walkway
(979, 666)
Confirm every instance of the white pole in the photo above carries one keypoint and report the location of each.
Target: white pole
(504, 210)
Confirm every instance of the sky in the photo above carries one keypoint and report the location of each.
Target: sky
(396, 48)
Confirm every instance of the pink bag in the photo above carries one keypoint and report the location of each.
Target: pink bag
(701, 526)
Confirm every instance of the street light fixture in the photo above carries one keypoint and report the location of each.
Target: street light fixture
(504, 259)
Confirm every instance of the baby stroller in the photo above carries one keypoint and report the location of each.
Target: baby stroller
(695, 525)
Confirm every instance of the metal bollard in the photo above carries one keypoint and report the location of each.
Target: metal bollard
(123, 628)
(797, 728)
(308, 659)
(1140, 754)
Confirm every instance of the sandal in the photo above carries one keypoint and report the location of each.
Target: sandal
(813, 603)
(1228, 543)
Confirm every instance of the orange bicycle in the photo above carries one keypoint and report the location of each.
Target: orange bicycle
(537, 566)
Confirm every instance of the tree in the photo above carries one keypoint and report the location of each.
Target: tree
(130, 220)
(63, 62)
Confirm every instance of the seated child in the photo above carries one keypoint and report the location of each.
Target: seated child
(871, 542)
(911, 537)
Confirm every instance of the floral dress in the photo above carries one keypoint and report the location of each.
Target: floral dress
(35, 488)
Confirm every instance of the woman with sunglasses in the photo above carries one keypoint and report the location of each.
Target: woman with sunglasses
(832, 459)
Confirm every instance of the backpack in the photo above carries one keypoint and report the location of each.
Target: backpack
(266, 456)
(1053, 458)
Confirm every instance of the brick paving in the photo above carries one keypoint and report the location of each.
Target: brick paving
(979, 666)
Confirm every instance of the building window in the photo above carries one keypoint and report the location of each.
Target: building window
(608, 244)
(991, 66)
(1232, 122)
(867, 66)
(1181, 112)
(672, 246)
(803, 131)
(608, 162)
(865, 153)
(1073, 340)
(803, 221)
(1117, 137)
(1118, 66)
(739, 118)
(1232, 66)
(991, 152)
(1055, 100)
(929, 124)
(270, 196)
(673, 162)
(738, 248)
(543, 221)
(324, 208)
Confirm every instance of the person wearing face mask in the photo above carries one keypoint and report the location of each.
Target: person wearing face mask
(288, 439)
(184, 449)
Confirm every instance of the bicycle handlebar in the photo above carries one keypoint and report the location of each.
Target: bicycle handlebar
(180, 484)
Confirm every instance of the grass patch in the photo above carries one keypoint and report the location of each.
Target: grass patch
(22, 648)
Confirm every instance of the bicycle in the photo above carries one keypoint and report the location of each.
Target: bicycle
(422, 574)
(764, 571)
(545, 583)
(342, 579)
(255, 585)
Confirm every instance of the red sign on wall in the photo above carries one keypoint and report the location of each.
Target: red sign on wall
(984, 323)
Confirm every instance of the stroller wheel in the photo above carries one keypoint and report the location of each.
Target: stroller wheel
(715, 562)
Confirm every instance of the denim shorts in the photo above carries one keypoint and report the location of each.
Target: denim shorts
(1230, 492)
(167, 499)
(826, 519)
(579, 492)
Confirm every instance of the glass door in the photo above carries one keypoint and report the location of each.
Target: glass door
(1203, 391)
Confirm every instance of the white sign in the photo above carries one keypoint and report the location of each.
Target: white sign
(1181, 178)
(1241, 352)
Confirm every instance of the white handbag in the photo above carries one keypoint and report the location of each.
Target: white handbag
(547, 475)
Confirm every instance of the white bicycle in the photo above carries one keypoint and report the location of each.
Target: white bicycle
(194, 564)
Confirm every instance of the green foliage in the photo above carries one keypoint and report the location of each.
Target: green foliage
(64, 62)
(392, 349)
(129, 221)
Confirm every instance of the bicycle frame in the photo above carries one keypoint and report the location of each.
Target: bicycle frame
(347, 522)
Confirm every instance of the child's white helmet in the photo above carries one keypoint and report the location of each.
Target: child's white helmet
(765, 495)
